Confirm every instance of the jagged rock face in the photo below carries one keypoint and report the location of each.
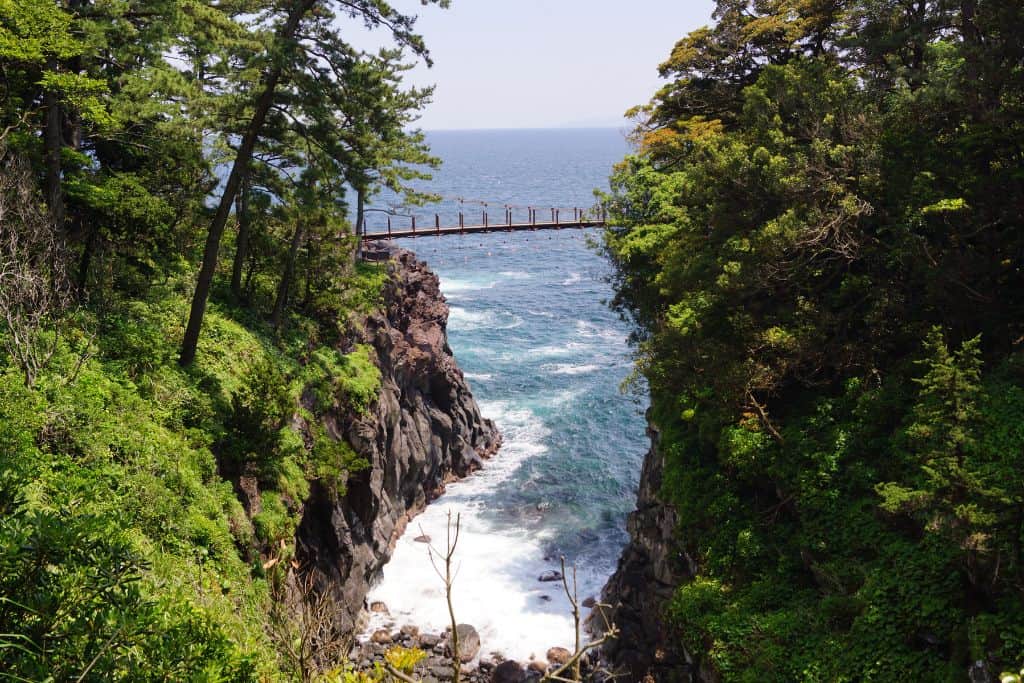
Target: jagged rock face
(649, 570)
(424, 431)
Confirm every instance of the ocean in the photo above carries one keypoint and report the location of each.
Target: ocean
(545, 357)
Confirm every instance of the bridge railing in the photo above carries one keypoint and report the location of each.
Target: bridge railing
(488, 215)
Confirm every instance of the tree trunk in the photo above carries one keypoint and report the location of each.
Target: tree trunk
(286, 278)
(1018, 529)
(238, 170)
(242, 242)
(360, 217)
(311, 253)
(53, 142)
(82, 278)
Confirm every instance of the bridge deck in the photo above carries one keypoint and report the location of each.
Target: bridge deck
(475, 229)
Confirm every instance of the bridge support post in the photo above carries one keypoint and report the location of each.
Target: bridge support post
(389, 227)
(414, 224)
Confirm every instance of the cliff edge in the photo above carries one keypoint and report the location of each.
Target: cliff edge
(424, 431)
(650, 568)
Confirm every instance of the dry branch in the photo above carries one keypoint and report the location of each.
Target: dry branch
(34, 288)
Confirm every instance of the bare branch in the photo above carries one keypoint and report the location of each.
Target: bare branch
(574, 664)
(448, 578)
(35, 291)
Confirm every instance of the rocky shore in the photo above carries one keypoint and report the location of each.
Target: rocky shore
(436, 665)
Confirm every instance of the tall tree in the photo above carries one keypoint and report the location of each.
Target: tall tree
(289, 44)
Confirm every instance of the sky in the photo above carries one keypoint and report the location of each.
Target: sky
(544, 63)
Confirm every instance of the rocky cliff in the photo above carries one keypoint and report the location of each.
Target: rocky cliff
(650, 568)
(424, 431)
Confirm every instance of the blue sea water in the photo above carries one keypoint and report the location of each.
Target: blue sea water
(545, 357)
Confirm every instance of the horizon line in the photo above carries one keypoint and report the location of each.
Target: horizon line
(507, 128)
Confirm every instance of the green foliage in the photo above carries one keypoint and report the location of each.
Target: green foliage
(400, 659)
(73, 605)
(126, 550)
(103, 534)
(404, 659)
(820, 241)
(273, 523)
(259, 411)
(119, 521)
(351, 379)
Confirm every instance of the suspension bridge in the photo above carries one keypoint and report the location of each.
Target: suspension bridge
(512, 219)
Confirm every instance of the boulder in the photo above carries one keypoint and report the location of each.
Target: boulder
(429, 640)
(589, 602)
(469, 642)
(379, 607)
(538, 666)
(559, 655)
(422, 539)
(410, 631)
(550, 575)
(508, 672)
(381, 637)
(442, 672)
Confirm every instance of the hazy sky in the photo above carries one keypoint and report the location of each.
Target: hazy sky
(546, 63)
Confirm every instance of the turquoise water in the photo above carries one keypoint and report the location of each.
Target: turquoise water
(544, 356)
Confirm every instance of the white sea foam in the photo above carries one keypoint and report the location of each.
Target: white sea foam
(589, 330)
(449, 285)
(563, 397)
(570, 369)
(572, 279)
(496, 588)
(554, 350)
(479, 376)
(463, 319)
(515, 275)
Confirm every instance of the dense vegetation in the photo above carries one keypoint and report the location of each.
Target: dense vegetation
(823, 246)
(131, 134)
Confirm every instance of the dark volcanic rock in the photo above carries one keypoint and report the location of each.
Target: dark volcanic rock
(550, 575)
(429, 640)
(649, 569)
(424, 430)
(508, 672)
